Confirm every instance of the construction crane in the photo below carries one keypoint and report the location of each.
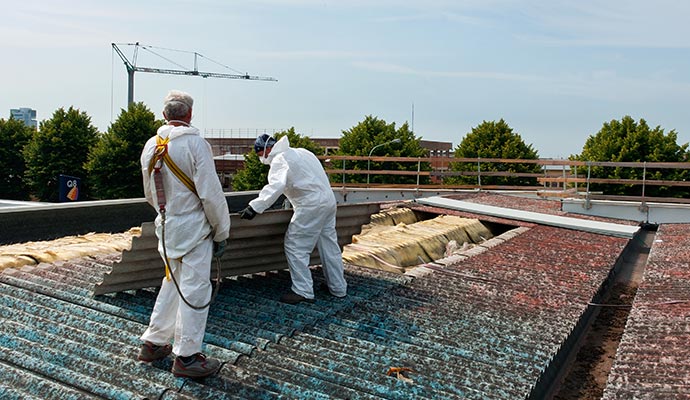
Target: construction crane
(132, 68)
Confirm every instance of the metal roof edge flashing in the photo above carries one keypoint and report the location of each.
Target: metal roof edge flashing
(643, 212)
(598, 227)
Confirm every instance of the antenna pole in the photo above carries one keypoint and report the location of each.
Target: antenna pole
(412, 127)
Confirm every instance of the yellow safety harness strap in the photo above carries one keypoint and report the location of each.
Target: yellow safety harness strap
(167, 267)
(161, 152)
(160, 157)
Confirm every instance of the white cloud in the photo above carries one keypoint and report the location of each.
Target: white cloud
(597, 84)
(314, 54)
(624, 23)
(56, 25)
(399, 69)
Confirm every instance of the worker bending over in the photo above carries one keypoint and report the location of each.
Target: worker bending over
(298, 174)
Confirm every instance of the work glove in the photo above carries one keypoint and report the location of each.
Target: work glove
(219, 248)
(248, 213)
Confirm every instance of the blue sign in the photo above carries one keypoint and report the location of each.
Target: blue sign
(69, 188)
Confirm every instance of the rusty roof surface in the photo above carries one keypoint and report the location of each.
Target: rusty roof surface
(653, 358)
(488, 324)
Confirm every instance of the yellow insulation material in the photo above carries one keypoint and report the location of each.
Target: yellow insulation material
(388, 219)
(66, 248)
(392, 248)
(394, 252)
(394, 216)
(381, 219)
(375, 228)
(372, 257)
(403, 216)
(478, 232)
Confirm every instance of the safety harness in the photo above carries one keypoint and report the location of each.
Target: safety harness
(160, 158)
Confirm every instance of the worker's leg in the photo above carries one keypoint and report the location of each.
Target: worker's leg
(164, 315)
(195, 285)
(300, 239)
(331, 256)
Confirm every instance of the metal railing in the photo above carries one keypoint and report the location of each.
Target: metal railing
(568, 176)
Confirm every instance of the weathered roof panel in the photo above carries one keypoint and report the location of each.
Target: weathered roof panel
(653, 360)
(488, 323)
(487, 327)
(246, 252)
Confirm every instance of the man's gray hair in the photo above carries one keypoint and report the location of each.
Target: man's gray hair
(177, 104)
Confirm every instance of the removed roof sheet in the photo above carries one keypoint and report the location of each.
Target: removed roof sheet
(604, 228)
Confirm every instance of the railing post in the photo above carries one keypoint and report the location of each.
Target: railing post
(343, 172)
(575, 166)
(588, 203)
(479, 173)
(644, 178)
(643, 204)
(419, 162)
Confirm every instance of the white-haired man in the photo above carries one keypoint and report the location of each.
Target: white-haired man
(192, 225)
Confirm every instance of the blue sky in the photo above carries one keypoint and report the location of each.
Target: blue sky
(554, 70)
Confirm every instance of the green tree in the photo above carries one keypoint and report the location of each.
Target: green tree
(630, 141)
(60, 146)
(113, 167)
(254, 174)
(14, 135)
(362, 138)
(492, 139)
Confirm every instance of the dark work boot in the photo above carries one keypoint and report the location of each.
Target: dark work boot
(195, 366)
(324, 288)
(293, 298)
(152, 352)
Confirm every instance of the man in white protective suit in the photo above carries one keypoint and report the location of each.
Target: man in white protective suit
(298, 174)
(192, 225)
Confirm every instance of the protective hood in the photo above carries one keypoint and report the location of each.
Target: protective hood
(172, 131)
(281, 145)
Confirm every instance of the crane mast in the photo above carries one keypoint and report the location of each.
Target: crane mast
(132, 68)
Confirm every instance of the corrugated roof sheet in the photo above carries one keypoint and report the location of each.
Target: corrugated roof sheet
(246, 252)
(486, 327)
(653, 358)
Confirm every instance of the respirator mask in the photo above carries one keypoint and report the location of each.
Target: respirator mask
(263, 159)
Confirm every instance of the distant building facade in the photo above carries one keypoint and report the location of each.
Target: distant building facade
(26, 115)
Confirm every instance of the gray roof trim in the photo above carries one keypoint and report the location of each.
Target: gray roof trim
(604, 228)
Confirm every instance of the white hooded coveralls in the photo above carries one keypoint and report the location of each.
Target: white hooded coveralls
(192, 224)
(298, 174)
